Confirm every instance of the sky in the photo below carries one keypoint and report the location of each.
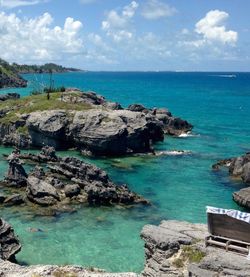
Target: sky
(127, 35)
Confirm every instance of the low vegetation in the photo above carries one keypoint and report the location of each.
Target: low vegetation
(39, 102)
(189, 254)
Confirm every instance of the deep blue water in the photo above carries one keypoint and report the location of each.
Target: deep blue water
(179, 187)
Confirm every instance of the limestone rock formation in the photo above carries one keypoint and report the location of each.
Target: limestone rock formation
(8, 269)
(16, 175)
(89, 122)
(239, 167)
(67, 180)
(178, 249)
(9, 243)
(171, 125)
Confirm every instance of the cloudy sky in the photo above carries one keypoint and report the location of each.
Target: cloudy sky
(128, 35)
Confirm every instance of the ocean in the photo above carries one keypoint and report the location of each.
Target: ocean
(178, 186)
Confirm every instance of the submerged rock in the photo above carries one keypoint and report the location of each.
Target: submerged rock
(9, 243)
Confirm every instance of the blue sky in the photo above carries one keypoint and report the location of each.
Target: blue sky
(183, 35)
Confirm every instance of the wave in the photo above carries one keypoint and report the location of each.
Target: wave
(188, 134)
(225, 75)
(173, 153)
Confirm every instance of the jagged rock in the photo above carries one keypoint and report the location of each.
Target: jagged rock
(171, 125)
(13, 270)
(238, 167)
(138, 108)
(13, 200)
(41, 192)
(72, 190)
(176, 126)
(16, 175)
(95, 182)
(47, 154)
(9, 243)
(10, 95)
(16, 139)
(70, 177)
(115, 133)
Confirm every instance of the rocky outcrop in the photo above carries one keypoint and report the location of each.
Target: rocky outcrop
(115, 133)
(8, 269)
(10, 95)
(16, 175)
(173, 126)
(97, 132)
(178, 249)
(90, 98)
(238, 167)
(68, 180)
(90, 123)
(9, 243)
(9, 77)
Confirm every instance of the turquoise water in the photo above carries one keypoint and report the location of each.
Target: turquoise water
(179, 187)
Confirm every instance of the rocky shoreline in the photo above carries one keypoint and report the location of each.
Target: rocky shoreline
(88, 122)
(238, 168)
(59, 183)
(172, 249)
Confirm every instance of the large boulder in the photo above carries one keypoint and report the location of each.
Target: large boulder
(115, 133)
(48, 128)
(9, 243)
(41, 192)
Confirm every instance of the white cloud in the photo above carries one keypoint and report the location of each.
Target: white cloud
(154, 9)
(117, 24)
(9, 4)
(26, 40)
(212, 28)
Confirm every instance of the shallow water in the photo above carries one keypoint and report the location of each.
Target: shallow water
(179, 186)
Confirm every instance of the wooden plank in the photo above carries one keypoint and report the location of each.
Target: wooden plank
(222, 225)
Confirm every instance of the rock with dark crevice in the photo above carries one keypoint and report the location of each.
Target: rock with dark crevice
(16, 175)
(9, 243)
